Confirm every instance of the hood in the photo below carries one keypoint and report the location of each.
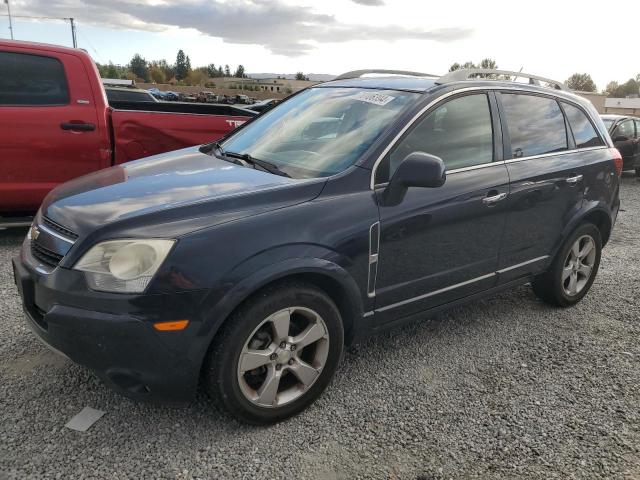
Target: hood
(185, 187)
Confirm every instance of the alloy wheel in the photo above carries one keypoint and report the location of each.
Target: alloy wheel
(578, 265)
(283, 357)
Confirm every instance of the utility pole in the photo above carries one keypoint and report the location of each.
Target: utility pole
(10, 24)
(73, 32)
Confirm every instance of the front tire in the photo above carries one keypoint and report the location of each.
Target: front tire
(276, 354)
(573, 270)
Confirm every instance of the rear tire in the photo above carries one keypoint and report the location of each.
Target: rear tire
(573, 270)
(276, 354)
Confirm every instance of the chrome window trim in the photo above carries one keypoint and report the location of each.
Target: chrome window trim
(555, 154)
(461, 284)
(416, 117)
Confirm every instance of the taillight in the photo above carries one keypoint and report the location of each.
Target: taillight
(617, 160)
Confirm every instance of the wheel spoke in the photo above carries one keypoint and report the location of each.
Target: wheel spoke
(269, 389)
(586, 249)
(575, 250)
(573, 283)
(312, 333)
(585, 270)
(280, 323)
(253, 359)
(566, 271)
(305, 372)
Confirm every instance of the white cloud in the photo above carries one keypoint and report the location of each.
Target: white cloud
(283, 29)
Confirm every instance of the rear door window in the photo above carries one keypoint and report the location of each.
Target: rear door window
(583, 132)
(27, 80)
(637, 128)
(624, 131)
(536, 125)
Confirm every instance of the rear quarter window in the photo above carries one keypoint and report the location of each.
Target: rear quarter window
(536, 124)
(584, 133)
(28, 80)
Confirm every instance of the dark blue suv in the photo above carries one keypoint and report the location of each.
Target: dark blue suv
(353, 206)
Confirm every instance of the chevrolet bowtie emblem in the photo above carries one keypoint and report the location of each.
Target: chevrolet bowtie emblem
(35, 233)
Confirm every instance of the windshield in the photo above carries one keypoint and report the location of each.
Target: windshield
(320, 131)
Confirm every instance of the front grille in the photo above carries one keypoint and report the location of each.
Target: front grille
(59, 228)
(45, 255)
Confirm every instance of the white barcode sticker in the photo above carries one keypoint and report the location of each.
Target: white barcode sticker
(374, 97)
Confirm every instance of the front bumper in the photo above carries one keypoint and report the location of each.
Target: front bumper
(113, 334)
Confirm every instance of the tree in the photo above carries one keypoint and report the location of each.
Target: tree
(168, 70)
(489, 63)
(227, 71)
(199, 76)
(239, 73)
(157, 75)
(581, 82)
(181, 68)
(301, 76)
(212, 71)
(611, 88)
(138, 66)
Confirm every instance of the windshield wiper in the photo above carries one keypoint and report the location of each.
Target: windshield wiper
(222, 155)
(267, 166)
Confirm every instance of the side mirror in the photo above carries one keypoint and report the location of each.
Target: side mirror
(621, 138)
(418, 169)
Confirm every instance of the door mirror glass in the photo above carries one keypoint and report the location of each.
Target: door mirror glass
(418, 169)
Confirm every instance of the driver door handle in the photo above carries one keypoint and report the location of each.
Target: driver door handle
(573, 180)
(494, 199)
(80, 127)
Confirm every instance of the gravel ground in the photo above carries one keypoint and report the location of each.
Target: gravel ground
(503, 388)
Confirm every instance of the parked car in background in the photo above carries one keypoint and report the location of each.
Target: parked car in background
(263, 105)
(119, 94)
(208, 97)
(167, 96)
(188, 97)
(56, 123)
(625, 132)
(243, 99)
(248, 264)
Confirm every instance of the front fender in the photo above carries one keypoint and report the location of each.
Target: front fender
(242, 285)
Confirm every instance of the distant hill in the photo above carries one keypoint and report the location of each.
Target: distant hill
(316, 77)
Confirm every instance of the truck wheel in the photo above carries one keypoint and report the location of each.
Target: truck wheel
(275, 354)
(574, 269)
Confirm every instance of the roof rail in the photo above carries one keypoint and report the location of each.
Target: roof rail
(359, 73)
(466, 74)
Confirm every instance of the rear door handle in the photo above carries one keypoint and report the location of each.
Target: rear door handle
(80, 127)
(573, 180)
(494, 199)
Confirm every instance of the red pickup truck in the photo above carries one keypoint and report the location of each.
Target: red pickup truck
(56, 123)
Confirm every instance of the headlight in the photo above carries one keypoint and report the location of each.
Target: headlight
(123, 266)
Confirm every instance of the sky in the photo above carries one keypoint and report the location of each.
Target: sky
(552, 38)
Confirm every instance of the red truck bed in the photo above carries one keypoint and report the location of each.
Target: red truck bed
(56, 124)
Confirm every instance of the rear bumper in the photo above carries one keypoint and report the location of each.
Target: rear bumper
(119, 342)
